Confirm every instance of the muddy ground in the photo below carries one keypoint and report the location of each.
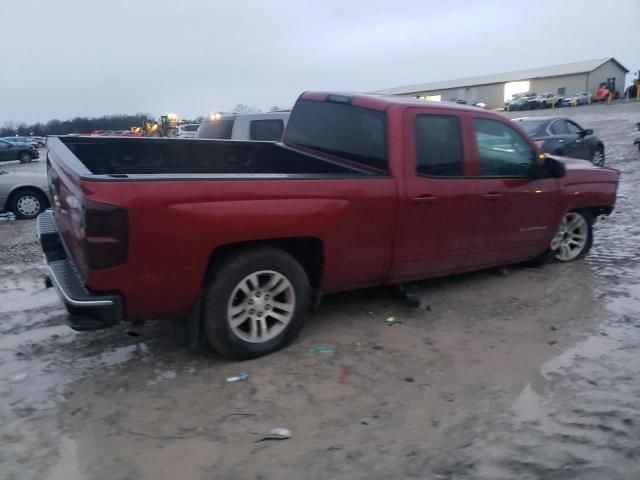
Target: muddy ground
(525, 373)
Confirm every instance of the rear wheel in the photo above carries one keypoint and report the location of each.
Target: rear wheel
(256, 303)
(24, 157)
(27, 203)
(597, 156)
(574, 237)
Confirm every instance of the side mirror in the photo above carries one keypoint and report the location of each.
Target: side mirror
(548, 168)
(554, 168)
(588, 131)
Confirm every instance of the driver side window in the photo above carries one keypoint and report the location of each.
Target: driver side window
(501, 150)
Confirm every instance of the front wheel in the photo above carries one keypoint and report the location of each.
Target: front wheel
(256, 303)
(597, 156)
(24, 157)
(574, 237)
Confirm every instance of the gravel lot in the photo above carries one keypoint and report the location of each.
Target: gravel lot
(518, 373)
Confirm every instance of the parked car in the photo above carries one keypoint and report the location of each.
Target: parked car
(17, 151)
(472, 103)
(550, 100)
(581, 98)
(27, 140)
(536, 101)
(187, 130)
(40, 141)
(363, 190)
(563, 136)
(23, 193)
(518, 103)
(257, 126)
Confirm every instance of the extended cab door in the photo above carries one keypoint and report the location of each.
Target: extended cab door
(517, 215)
(436, 212)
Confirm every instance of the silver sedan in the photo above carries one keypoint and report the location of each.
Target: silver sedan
(26, 194)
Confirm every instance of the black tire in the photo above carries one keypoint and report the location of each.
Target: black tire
(549, 254)
(227, 276)
(597, 156)
(24, 157)
(30, 196)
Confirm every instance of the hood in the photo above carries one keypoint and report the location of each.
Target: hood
(22, 144)
(583, 171)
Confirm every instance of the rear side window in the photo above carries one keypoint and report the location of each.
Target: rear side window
(266, 130)
(559, 127)
(190, 128)
(353, 133)
(439, 146)
(216, 129)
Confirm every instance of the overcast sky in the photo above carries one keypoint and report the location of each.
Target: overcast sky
(66, 58)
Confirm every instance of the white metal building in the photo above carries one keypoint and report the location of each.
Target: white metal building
(493, 90)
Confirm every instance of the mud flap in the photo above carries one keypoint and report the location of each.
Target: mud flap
(193, 327)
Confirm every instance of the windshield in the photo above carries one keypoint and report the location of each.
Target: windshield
(531, 126)
(353, 133)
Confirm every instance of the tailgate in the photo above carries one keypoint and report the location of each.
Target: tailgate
(64, 172)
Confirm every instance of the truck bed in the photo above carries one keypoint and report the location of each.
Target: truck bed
(119, 157)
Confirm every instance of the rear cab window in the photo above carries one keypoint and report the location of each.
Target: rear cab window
(340, 129)
(439, 151)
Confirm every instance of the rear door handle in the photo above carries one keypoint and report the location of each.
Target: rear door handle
(492, 196)
(426, 198)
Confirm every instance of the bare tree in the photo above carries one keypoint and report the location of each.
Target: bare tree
(242, 109)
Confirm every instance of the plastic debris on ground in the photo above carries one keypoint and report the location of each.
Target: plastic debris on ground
(321, 349)
(7, 217)
(392, 321)
(277, 434)
(237, 378)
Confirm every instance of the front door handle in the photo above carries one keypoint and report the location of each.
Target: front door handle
(426, 198)
(492, 196)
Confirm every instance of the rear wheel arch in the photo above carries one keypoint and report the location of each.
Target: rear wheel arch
(18, 191)
(22, 188)
(307, 251)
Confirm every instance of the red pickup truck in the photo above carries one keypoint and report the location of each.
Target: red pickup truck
(362, 191)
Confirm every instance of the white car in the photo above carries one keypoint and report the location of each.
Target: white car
(265, 127)
(187, 130)
(25, 194)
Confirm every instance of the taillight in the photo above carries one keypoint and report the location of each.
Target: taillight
(539, 143)
(106, 235)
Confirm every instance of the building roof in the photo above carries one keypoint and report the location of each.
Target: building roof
(552, 71)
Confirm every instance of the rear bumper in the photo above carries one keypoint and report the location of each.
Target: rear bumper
(87, 311)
